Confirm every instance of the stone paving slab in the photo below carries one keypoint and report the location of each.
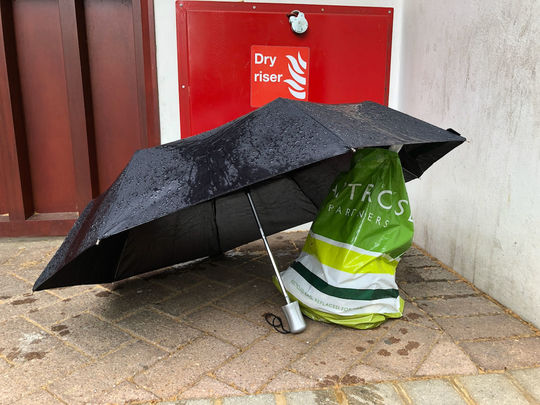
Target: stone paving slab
(210, 387)
(485, 327)
(416, 261)
(91, 335)
(459, 306)
(362, 373)
(290, 381)
(11, 286)
(414, 275)
(493, 389)
(195, 334)
(162, 330)
(403, 349)
(263, 399)
(189, 301)
(255, 367)
(125, 392)
(62, 309)
(233, 329)
(504, 354)
(182, 369)
(41, 397)
(25, 304)
(333, 357)
(428, 289)
(528, 380)
(429, 392)
(373, 394)
(446, 358)
(112, 369)
(414, 315)
(251, 294)
(326, 397)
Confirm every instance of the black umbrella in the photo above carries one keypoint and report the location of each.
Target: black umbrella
(187, 199)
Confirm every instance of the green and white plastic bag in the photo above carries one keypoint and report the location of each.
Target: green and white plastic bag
(346, 271)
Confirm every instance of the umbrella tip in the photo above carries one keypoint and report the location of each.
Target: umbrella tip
(453, 131)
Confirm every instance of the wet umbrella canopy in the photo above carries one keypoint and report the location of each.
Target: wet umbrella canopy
(186, 199)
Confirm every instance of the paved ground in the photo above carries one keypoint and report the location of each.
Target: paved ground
(196, 335)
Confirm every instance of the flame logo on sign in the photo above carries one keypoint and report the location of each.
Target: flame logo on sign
(297, 84)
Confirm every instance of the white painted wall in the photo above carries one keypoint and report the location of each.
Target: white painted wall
(167, 70)
(167, 64)
(471, 65)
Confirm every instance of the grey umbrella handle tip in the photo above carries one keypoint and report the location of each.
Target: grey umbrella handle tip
(294, 317)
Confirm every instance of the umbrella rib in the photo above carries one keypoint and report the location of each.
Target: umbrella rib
(322, 125)
(120, 257)
(300, 188)
(216, 224)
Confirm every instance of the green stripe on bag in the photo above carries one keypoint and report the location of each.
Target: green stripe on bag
(347, 260)
(345, 293)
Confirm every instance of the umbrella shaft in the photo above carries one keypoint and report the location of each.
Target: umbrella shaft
(268, 247)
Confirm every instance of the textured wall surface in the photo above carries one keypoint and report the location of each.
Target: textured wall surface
(472, 65)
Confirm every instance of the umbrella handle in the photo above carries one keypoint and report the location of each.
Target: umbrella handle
(268, 248)
(292, 309)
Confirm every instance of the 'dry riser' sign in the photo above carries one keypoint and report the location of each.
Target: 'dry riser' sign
(279, 71)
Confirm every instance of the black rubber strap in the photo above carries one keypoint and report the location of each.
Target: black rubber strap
(276, 322)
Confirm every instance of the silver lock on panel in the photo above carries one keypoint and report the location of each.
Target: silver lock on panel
(298, 21)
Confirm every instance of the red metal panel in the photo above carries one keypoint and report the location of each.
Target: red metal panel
(74, 74)
(52, 224)
(145, 48)
(113, 75)
(349, 55)
(78, 97)
(16, 195)
(3, 201)
(43, 88)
